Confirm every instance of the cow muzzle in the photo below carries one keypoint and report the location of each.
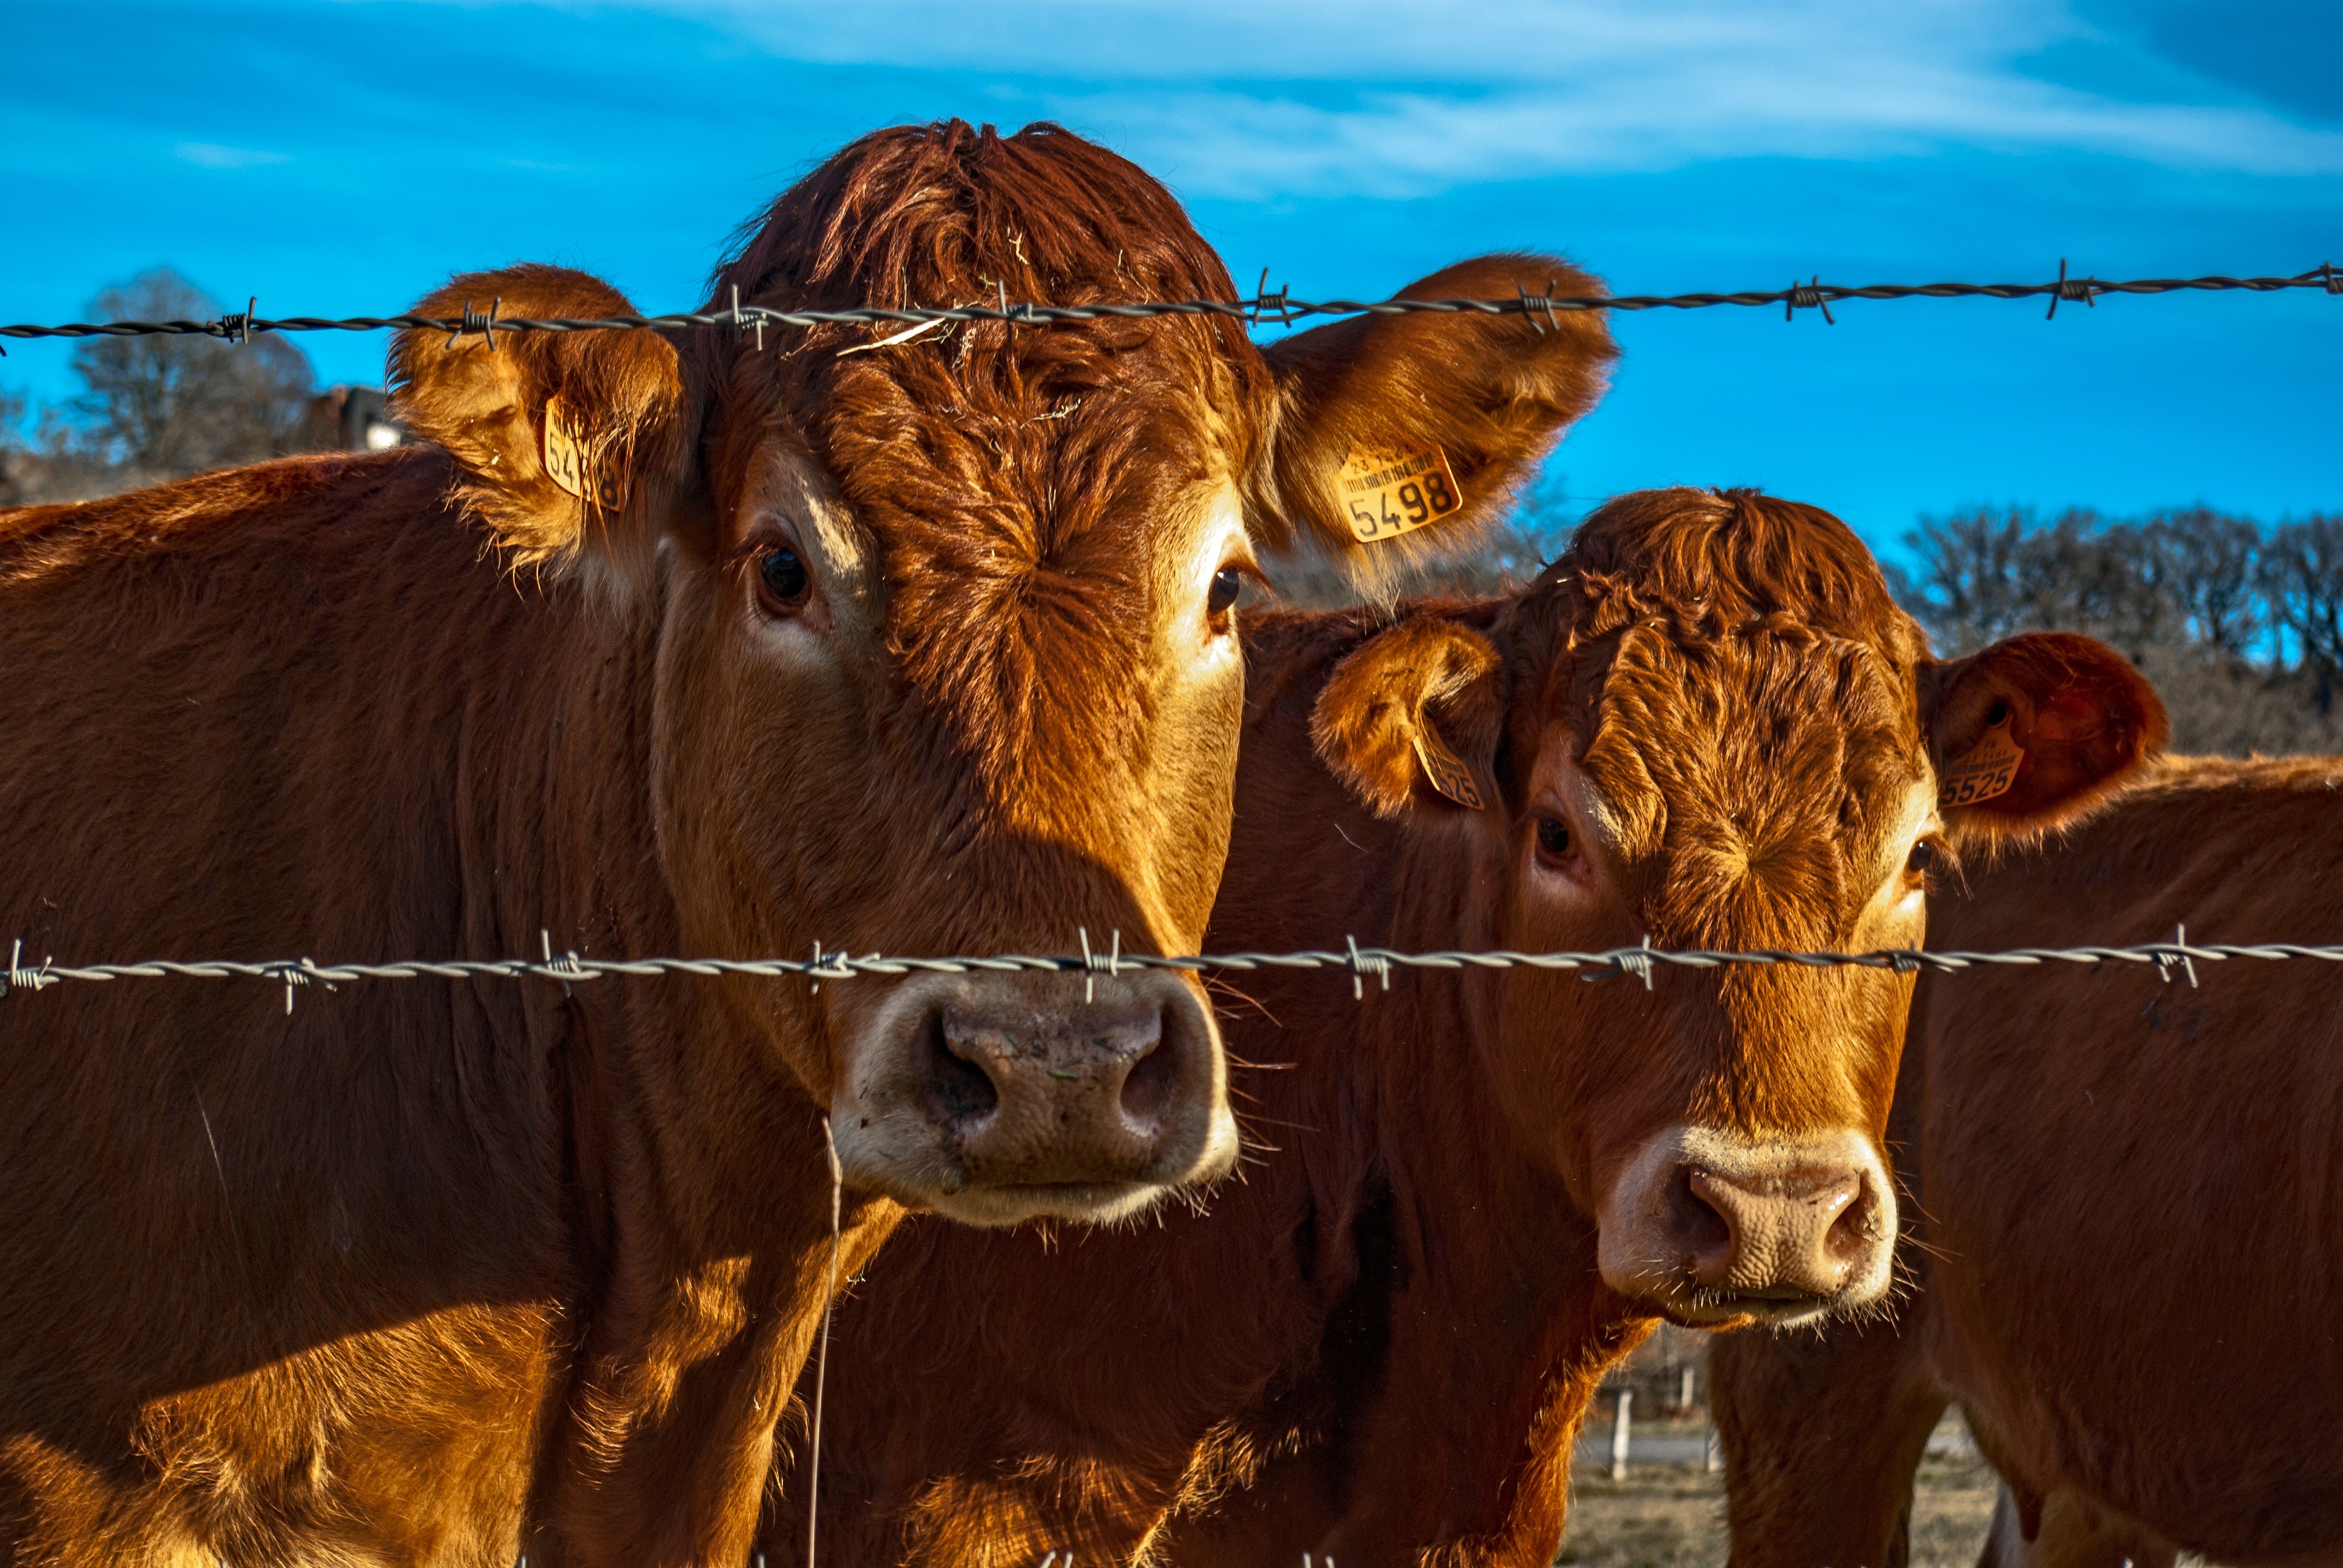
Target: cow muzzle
(1715, 1228)
(998, 1099)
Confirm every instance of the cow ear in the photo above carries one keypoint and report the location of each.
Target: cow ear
(1411, 717)
(2035, 730)
(569, 442)
(1398, 436)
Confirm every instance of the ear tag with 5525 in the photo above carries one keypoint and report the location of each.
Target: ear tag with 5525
(1985, 770)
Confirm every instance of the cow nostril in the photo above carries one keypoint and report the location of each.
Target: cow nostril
(1149, 1088)
(1702, 1229)
(957, 1088)
(1850, 1235)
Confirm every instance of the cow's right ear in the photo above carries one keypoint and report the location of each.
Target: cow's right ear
(567, 441)
(1398, 436)
(2034, 731)
(1411, 717)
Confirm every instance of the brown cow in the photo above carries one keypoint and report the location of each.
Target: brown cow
(2133, 1238)
(695, 645)
(1708, 725)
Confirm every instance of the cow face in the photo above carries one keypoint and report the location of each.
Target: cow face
(945, 620)
(1709, 727)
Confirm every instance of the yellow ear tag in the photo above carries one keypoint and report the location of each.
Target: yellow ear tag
(566, 463)
(565, 456)
(1985, 770)
(1387, 494)
(1446, 769)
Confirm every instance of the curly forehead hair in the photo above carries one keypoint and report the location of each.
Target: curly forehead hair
(950, 214)
(1011, 480)
(1701, 566)
(1700, 642)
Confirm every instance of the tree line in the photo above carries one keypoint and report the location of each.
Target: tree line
(2239, 624)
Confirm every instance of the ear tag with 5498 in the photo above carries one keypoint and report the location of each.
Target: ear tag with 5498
(1387, 494)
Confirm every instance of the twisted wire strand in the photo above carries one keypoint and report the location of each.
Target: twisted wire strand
(1362, 963)
(1263, 307)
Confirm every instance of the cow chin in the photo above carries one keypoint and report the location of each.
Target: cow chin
(998, 1099)
(1716, 1229)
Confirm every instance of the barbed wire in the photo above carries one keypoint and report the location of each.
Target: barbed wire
(1264, 307)
(2178, 956)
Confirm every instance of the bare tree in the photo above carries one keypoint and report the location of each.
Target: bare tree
(2207, 567)
(1967, 590)
(2302, 571)
(162, 407)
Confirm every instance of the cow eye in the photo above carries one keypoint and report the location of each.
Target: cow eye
(1553, 837)
(784, 576)
(1227, 583)
(1922, 861)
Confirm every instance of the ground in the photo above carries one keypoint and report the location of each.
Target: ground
(1672, 1516)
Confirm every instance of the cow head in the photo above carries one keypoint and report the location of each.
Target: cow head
(945, 618)
(1709, 727)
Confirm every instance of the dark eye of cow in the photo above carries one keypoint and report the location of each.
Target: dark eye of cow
(784, 576)
(1553, 837)
(1923, 859)
(1227, 583)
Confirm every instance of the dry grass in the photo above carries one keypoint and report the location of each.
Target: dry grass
(1672, 1516)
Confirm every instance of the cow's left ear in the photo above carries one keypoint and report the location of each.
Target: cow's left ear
(567, 441)
(2034, 731)
(1399, 437)
(1412, 716)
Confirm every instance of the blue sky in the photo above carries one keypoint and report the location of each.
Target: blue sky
(340, 158)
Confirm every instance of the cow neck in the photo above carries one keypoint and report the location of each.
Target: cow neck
(1474, 1326)
(701, 1227)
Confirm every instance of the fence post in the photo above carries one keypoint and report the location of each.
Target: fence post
(1684, 1389)
(1620, 1420)
(1713, 1454)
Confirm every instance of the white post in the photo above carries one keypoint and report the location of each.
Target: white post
(1684, 1389)
(1620, 1420)
(1713, 1460)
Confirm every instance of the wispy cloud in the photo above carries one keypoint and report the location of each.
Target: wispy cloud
(1399, 98)
(212, 156)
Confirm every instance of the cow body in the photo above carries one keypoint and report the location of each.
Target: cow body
(2131, 1214)
(702, 646)
(1378, 1344)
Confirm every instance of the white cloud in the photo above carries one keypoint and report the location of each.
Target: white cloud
(1259, 99)
(212, 156)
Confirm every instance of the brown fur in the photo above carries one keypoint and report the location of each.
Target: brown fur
(426, 1272)
(2132, 1215)
(1378, 1342)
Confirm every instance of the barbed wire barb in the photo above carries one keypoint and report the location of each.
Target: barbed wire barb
(1807, 296)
